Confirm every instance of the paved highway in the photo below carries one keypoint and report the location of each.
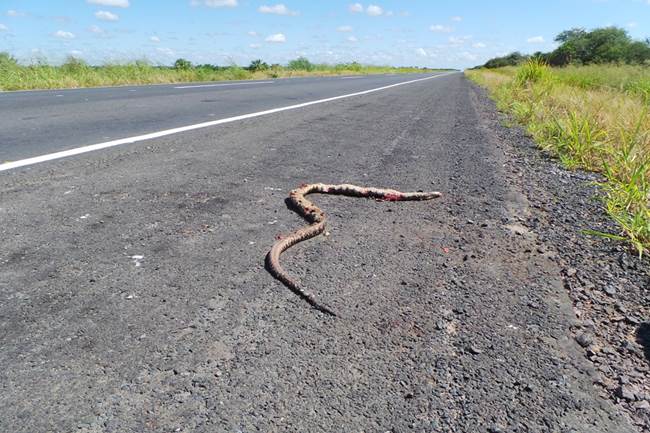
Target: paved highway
(40, 122)
(134, 298)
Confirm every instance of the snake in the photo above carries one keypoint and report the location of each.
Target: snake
(316, 219)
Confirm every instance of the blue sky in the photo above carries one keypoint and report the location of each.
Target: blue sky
(432, 33)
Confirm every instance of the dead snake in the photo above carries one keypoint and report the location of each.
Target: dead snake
(316, 219)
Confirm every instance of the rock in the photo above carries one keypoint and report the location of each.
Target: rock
(584, 339)
(642, 405)
(610, 290)
(626, 392)
(474, 350)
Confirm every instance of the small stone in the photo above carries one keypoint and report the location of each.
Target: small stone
(571, 272)
(642, 405)
(584, 339)
(625, 392)
(610, 290)
(474, 350)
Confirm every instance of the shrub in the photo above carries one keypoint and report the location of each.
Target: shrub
(182, 64)
(300, 64)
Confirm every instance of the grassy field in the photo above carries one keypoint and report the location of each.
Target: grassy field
(591, 117)
(78, 74)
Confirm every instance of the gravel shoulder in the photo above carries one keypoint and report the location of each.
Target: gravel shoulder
(609, 285)
(133, 295)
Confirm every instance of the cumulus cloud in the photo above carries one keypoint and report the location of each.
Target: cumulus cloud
(457, 19)
(352, 39)
(112, 3)
(60, 34)
(358, 7)
(344, 29)
(277, 38)
(535, 40)
(439, 28)
(252, 33)
(421, 52)
(154, 39)
(3, 28)
(374, 10)
(255, 46)
(479, 45)
(106, 16)
(278, 9)
(15, 13)
(95, 29)
(75, 53)
(215, 3)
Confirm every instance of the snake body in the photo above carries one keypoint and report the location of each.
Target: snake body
(316, 218)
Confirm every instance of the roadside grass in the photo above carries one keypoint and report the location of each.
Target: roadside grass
(594, 118)
(75, 74)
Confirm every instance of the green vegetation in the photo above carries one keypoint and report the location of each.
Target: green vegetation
(76, 73)
(581, 47)
(591, 117)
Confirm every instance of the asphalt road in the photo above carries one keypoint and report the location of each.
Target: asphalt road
(133, 294)
(33, 123)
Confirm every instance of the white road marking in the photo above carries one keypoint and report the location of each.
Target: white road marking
(351, 78)
(152, 135)
(224, 84)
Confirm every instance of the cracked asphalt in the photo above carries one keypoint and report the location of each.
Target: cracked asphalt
(133, 294)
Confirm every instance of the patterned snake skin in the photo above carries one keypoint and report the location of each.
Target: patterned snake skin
(316, 219)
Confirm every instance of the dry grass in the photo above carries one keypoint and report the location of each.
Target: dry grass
(600, 125)
(78, 74)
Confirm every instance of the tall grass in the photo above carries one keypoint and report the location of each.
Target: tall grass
(75, 73)
(594, 118)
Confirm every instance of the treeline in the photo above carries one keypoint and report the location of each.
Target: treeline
(581, 47)
(299, 64)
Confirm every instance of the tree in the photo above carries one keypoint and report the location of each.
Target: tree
(258, 65)
(182, 64)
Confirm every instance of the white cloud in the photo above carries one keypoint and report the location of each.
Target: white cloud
(63, 34)
(253, 34)
(458, 41)
(154, 39)
(255, 46)
(215, 3)
(358, 8)
(479, 45)
(633, 24)
(390, 13)
(277, 38)
(95, 29)
(421, 52)
(352, 39)
(535, 40)
(165, 51)
(374, 10)
(3, 28)
(344, 29)
(106, 16)
(457, 19)
(75, 53)
(439, 28)
(278, 9)
(113, 3)
(15, 13)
